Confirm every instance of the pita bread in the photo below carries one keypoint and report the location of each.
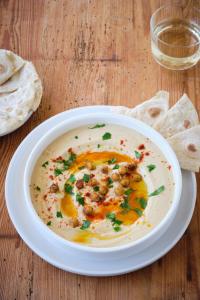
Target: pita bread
(26, 74)
(16, 106)
(10, 63)
(186, 145)
(180, 117)
(149, 111)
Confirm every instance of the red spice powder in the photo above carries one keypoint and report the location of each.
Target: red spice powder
(87, 194)
(121, 142)
(51, 177)
(141, 147)
(169, 167)
(147, 153)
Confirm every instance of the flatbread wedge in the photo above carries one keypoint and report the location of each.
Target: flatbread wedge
(10, 63)
(26, 74)
(180, 117)
(17, 106)
(149, 111)
(186, 145)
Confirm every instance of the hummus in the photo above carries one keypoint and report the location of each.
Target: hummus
(102, 185)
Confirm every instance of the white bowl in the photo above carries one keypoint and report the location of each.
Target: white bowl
(108, 118)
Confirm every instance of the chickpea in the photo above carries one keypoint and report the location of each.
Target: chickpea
(74, 222)
(136, 177)
(123, 170)
(93, 182)
(119, 190)
(105, 170)
(88, 210)
(103, 189)
(79, 184)
(132, 166)
(90, 166)
(115, 177)
(125, 182)
(95, 197)
(54, 188)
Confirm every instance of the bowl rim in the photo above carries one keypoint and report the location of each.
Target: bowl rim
(88, 119)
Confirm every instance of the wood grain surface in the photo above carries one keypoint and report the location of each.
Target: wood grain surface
(91, 52)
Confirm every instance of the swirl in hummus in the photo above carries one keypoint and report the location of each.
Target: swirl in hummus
(102, 185)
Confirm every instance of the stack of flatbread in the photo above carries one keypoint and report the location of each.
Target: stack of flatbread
(179, 125)
(20, 90)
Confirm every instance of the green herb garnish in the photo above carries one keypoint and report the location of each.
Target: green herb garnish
(98, 146)
(107, 136)
(80, 199)
(45, 164)
(49, 223)
(112, 161)
(116, 167)
(57, 172)
(151, 167)
(85, 225)
(117, 228)
(110, 182)
(86, 178)
(59, 214)
(128, 192)
(81, 168)
(138, 211)
(142, 202)
(38, 188)
(96, 188)
(137, 154)
(72, 178)
(68, 188)
(76, 137)
(97, 126)
(158, 191)
(125, 205)
(115, 222)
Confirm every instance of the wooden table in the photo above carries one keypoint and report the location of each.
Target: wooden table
(90, 52)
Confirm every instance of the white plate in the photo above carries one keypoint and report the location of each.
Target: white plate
(65, 258)
(19, 125)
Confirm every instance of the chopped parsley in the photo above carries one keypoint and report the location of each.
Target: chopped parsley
(110, 182)
(81, 167)
(107, 136)
(116, 167)
(86, 178)
(59, 214)
(117, 228)
(97, 126)
(158, 191)
(115, 222)
(128, 192)
(85, 225)
(67, 163)
(38, 188)
(125, 205)
(96, 188)
(98, 146)
(49, 223)
(58, 172)
(138, 211)
(72, 178)
(142, 202)
(112, 161)
(80, 199)
(68, 188)
(151, 167)
(76, 137)
(137, 154)
(45, 164)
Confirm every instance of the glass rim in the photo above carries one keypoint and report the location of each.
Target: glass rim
(158, 39)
